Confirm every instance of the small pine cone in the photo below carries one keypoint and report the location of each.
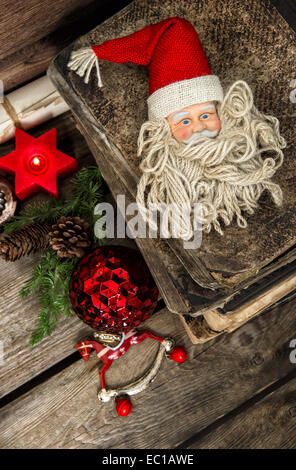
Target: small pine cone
(70, 236)
(24, 241)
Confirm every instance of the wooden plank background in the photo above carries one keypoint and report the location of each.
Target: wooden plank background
(237, 391)
(269, 424)
(64, 412)
(34, 31)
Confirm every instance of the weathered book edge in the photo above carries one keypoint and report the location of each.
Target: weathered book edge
(213, 323)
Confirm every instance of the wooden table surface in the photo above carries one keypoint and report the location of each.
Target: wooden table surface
(237, 391)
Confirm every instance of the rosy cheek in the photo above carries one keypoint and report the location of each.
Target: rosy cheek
(184, 134)
(218, 125)
(181, 134)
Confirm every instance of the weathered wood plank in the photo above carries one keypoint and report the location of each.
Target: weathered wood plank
(30, 37)
(23, 22)
(64, 411)
(269, 424)
(22, 362)
(18, 316)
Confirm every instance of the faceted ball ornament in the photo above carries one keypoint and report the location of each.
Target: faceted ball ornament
(112, 289)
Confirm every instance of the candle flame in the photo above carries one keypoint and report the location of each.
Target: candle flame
(36, 161)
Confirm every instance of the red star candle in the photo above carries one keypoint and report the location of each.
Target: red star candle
(36, 163)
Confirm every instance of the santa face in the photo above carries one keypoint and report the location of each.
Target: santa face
(200, 119)
(225, 176)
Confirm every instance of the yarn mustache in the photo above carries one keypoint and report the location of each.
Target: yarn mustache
(204, 133)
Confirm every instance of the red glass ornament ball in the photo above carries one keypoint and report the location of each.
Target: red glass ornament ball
(178, 354)
(112, 289)
(123, 406)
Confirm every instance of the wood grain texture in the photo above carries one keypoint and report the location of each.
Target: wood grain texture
(21, 22)
(64, 411)
(31, 37)
(23, 27)
(247, 40)
(269, 424)
(184, 399)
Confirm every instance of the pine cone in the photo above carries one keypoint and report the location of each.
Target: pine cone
(69, 237)
(24, 241)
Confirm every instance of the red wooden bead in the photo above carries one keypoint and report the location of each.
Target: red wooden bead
(178, 354)
(123, 406)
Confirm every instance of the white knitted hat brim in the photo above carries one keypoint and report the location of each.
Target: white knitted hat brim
(179, 95)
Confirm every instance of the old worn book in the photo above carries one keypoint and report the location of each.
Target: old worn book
(275, 288)
(239, 41)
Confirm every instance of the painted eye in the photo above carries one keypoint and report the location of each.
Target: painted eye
(185, 122)
(205, 116)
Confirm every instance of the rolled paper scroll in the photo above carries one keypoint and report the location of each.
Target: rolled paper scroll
(29, 106)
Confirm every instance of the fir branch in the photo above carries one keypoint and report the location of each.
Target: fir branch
(50, 278)
(86, 191)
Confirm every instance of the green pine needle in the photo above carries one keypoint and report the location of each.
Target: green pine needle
(50, 279)
(86, 191)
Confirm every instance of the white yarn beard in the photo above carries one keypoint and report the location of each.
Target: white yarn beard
(226, 175)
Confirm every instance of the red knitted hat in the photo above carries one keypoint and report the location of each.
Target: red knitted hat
(179, 73)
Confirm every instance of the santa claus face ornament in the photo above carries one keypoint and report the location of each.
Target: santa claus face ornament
(112, 291)
(198, 120)
(199, 146)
